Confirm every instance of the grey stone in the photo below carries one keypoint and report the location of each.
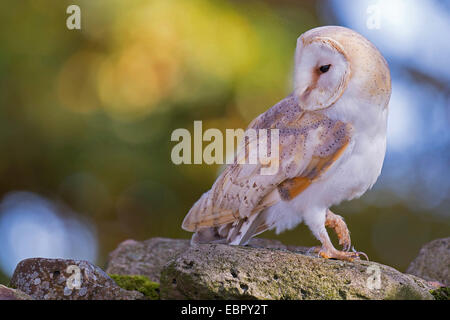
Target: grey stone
(150, 256)
(216, 271)
(433, 262)
(144, 258)
(56, 279)
(12, 294)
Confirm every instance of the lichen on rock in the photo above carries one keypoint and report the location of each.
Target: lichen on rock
(215, 271)
(66, 279)
(161, 268)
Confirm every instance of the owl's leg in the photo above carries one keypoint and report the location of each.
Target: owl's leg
(337, 223)
(316, 222)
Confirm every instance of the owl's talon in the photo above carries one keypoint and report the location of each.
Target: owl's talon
(364, 255)
(360, 253)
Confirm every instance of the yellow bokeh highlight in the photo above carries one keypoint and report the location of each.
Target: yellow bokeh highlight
(159, 53)
(157, 47)
(76, 83)
(133, 82)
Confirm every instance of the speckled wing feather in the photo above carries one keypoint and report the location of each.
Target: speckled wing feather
(309, 143)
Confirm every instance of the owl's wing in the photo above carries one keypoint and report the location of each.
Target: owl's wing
(309, 143)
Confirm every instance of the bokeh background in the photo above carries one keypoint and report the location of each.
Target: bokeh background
(86, 117)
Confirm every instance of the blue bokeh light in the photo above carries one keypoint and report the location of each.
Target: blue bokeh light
(32, 226)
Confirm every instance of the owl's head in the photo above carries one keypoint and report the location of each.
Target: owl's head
(330, 60)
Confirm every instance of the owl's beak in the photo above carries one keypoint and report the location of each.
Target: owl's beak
(302, 93)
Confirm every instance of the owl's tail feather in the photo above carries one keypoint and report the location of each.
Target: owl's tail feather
(209, 235)
(237, 233)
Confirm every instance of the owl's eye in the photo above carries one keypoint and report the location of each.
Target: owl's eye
(325, 68)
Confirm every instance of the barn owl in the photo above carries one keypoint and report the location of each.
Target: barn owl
(332, 143)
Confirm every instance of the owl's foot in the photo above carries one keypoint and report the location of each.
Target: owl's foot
(337, 223)
(341, 255)
(336, 254)
(328, 251)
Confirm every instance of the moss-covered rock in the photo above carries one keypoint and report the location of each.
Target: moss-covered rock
(215, 271)
(442, 293)
(139, 283)
(149, 257)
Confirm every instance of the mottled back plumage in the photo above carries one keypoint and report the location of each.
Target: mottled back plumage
(309, 143)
